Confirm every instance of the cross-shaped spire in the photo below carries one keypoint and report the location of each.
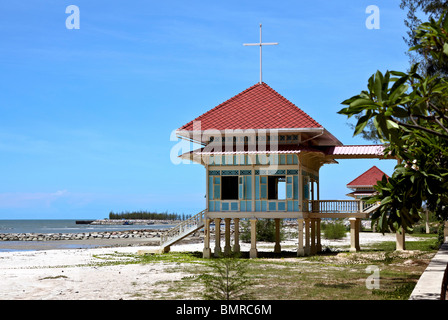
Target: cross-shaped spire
(261, 44)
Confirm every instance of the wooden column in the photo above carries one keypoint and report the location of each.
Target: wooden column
(277, 247)
(313, 236)
(207, 252)
(400, 244)
(354, 234)
(307, 236)
(227, 247)
(217, 252)
(236, 235)
(300, 250)
(253, 238)
(318, 244)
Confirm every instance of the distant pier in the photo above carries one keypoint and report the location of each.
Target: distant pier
(84, 221)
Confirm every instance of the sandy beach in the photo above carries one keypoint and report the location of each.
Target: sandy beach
(75, 274)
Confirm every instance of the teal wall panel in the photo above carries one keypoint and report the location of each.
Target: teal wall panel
(296, 187)
(281, 206)
(263, 205)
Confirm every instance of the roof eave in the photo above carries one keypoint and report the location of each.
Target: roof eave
(197, 135)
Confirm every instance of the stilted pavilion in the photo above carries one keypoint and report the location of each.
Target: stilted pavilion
(363, 186)
(262, 156)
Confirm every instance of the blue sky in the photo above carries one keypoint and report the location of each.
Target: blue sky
(86, 114)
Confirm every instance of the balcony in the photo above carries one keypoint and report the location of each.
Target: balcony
(338, 208)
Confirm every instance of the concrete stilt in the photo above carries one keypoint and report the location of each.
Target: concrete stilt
(313, 237)
(236, 237)
(253, 237)
(354, 235)
(300, 250)
(307, 237)
(400, 244)
(277, 247)
(227, 247)
(207, 252)
(318, 243)
(217, 252)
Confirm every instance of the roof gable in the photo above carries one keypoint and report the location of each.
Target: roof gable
(368, 178)
(258, 107)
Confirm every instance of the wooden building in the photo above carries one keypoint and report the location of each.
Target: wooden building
(363, 185)
(262, 156)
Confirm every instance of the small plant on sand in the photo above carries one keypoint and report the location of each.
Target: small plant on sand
(227, 280)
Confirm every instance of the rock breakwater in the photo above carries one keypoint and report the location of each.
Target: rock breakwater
(144, 233)
(132, 221)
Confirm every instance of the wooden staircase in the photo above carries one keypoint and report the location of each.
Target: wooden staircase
(369, 208)
(182, 230)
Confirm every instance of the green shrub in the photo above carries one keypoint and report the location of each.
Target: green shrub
(265, 230)
(334, 230)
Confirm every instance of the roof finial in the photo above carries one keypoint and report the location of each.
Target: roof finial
(261, 44)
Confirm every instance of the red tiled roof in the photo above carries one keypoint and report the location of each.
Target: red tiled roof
(368, 178)
(258, 107)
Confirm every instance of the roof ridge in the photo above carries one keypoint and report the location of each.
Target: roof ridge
(366, 172)
(290, 103)
(260, 98)
(220, 105)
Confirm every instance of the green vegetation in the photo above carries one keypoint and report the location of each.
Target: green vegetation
(147, 215)
(227, 279)
(334, 230)
(265, 230)
(408, 113)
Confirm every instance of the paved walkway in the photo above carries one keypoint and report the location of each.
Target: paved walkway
(429, 286)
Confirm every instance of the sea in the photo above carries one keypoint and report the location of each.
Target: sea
(58, 226)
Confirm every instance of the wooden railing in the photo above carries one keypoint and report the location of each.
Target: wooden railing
(338, 206)
(183, 228)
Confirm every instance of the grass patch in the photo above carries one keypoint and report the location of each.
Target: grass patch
(428, 242)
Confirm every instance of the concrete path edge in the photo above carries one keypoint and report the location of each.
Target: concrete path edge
(429, 286)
